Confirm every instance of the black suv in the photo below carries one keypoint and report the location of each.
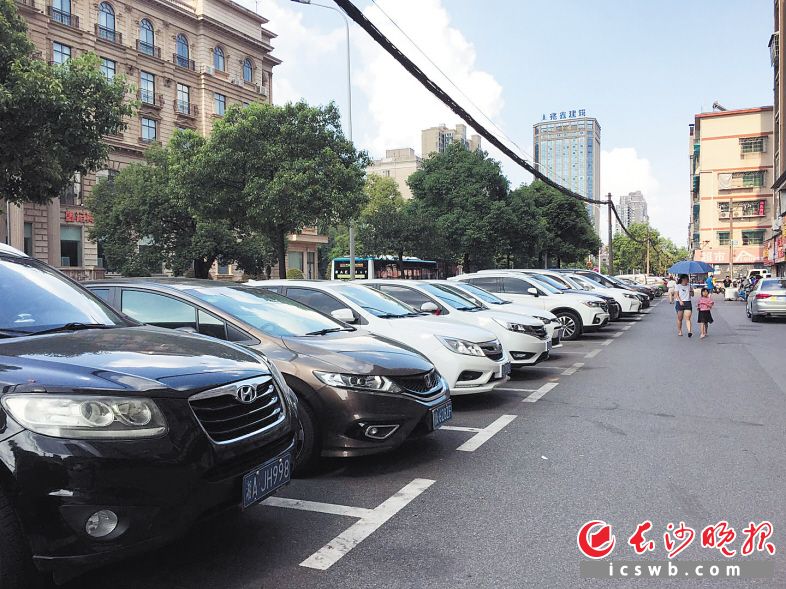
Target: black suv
(115, 437)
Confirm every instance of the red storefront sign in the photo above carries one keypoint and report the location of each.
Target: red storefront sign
(78, 217)
(780, 242)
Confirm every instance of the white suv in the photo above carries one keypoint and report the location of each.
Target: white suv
(525, 339)
(470, 359)
(628, 300)
(577, 313)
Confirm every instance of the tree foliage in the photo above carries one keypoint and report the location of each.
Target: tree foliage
(52, 117)
(630, 254)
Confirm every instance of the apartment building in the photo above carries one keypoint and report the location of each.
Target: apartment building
(188, 61)
(731, 163)
(437, 139)
(632, 208)
(774, 254)
(398, 164)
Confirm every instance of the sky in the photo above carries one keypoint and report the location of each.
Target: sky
(643, 69)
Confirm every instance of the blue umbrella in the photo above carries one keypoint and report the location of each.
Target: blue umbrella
(690, 267)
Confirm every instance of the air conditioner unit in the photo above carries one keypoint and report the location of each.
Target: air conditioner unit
(262, 89)
(236, 82)
(737, 213)
(723, 214)
(209, 69)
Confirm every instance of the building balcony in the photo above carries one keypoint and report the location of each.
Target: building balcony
(62, 17)
(696, 183)
(108, 35)
(183, 62)
(148, 49)
(148, 98)
(185, 109)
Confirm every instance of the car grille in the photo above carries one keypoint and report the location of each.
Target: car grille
(422, 385)
(226, 419)
(492, 349)
(605, 307)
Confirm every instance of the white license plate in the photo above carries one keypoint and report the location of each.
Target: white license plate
(504, 370)
(548, 345)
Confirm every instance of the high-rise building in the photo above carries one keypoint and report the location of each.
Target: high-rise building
(398, 164)
(731, 159)
(189, 60)
(774, 254)
(567, 150)
(437, 139)
(632, 208)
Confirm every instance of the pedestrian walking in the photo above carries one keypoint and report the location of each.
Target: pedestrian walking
(683, 293)
(705, 311)
(671, 285)
(710, 283)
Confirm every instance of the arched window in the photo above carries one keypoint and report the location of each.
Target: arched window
(182, 51)
(106, 21)
(147, 37)
(218, 59)
(248, 70)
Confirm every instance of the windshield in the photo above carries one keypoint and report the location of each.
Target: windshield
(548, 284)
(587, 282)
(482, 295)
(451, 296)
(270, 313)
(375, 302)
(34, 298)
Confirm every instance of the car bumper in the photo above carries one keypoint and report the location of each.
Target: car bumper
(598, 321)
(631, 306)
(346, 422)
(768, 307)
(158, 488)
(556, 337)
(523, 349)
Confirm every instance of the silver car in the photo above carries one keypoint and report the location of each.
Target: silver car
(767, 299)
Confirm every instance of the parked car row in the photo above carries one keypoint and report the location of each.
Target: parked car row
(131, 408)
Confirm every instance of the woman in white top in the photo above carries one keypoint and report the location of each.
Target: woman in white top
(683, 305)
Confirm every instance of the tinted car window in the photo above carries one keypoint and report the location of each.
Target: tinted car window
(773, 284)
(156, 309)
(548, 284)
(268, 312)
(490, 284)
(450, 297)
(516, 285)
(375, 302)
(406, 295)
(211, 325)
(481, 294)
(102, 293)
(33, 297)
(316, 299)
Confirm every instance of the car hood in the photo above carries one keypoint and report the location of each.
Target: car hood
(359, 352)
(586, 293)
(127, 359)
(412, 330)
(577, 298)
(485, 319)
(519, 309)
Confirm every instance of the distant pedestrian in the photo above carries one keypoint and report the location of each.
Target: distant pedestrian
(683, 305)
(710, 283)
(671, 285)
(727, 282)
(705, 314)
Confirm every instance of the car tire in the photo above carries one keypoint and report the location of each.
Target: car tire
(571, 322)
(756, 318)
(16, 565)
(309, 447)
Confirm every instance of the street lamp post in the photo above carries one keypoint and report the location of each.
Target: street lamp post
(349, 122)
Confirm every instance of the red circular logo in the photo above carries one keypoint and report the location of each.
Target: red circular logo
(595, 539)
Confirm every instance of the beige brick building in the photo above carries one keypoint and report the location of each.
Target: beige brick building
(188, 60)
(398, 164)
(437, 139)
(731, 156)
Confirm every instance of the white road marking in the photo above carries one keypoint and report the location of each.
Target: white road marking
(626, 328)
(512, 390)
(486, 433)
(593, 353)
(572, 369)
(619, 333)
(560, 352)
(460, 428)
(369, 520)
(606, 342)
(359, 512)
(540, 392)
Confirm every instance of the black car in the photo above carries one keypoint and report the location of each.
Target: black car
(359, 393)
(116, 437)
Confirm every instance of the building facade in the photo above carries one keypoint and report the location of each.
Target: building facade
(774, 253)
(632, 208)
(187, 60)
(731, 163)
(437, 139)
(398, 164)
(567, 150)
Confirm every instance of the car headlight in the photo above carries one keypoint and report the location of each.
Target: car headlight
(545, 320)
(461, 346)
(80, 416)
(364, 382)
(629, 296)
(593, 303)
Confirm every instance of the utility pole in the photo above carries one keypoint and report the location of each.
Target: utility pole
(647, 273)
(611, 245)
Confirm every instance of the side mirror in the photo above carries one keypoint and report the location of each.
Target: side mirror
(429, 307)
(344, 314)
(533, 291)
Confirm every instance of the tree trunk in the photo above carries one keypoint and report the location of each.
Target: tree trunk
(400, 264)
(281, 253)
(202, 268)
(465, 263)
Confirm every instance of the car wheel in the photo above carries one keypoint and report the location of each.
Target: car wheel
(748, 312)
(571, 323)
(308, 447)
(16, 566)
(756, 318)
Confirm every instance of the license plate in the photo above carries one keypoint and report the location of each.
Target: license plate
(441, 414)
(548, 345)
(262, 481)
(504, 370)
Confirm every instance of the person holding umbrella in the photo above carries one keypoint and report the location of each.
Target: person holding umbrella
(683, 293)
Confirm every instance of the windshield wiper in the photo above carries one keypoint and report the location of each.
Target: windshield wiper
(74, 326)
(330, 330)
(14, 332)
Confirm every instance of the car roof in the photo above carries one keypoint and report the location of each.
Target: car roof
(176, 283)
(12, 251)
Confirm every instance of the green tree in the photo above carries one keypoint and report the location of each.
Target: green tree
(274, 170)
(630, 253)
(461, 195)
(523, 231)
(52, 118)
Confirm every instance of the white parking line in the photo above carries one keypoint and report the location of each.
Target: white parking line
(460, 428)
(540, 392)
(606, 342)
(619, 333)
(592, 353)
(369, 520)
(626, 328)
(512, 390)
(486, 433)
(572, 369)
